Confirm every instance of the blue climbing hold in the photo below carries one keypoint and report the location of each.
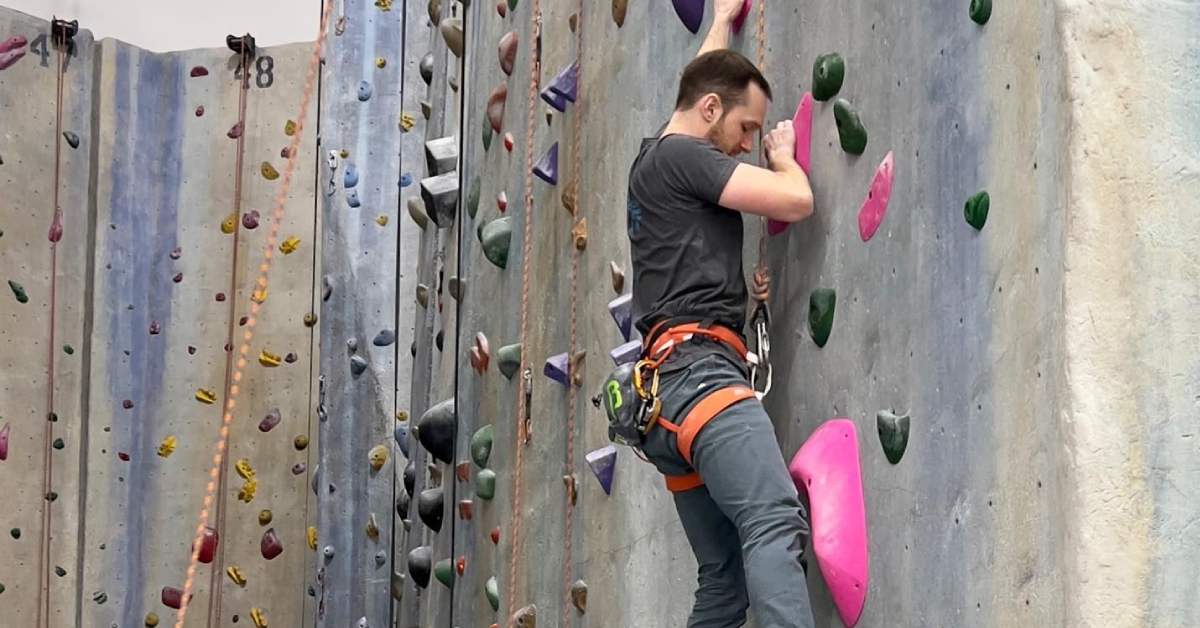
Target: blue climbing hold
(351, 177)
(691, 12)
(364, 91)
(603, 462)
(401, 436)
(621, 309)
(352, 198)
(547, 167)
(626, 353)
(556, 368)
(406, 179)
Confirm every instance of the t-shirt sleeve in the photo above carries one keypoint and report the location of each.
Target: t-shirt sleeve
(698, 167)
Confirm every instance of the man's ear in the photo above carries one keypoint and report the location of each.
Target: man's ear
(711, 107)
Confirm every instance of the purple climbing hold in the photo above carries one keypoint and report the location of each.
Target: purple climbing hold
(691, 12)
(626, 353)
(176, 252)
(554, 99)
(270, 421)
(155, 328)
(127, 404)
(250, 219)
(566, 84)
(299, 468)
(556, 368)
(4, 441)
(547, 167)
(621, 309)
(603, 462)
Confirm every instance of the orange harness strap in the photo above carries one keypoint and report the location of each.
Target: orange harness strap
(715, 403)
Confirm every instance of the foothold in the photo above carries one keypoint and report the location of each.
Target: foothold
(18, 291)
(508, 52)
(556, 368)
(619, 9)
(350, 177)
(603, 463)
(820, 314)
(691, 13)
(204, 395)
(875, 206)
(248, 490)
(441, 155)
(199, 71)
(473, 197)
(502, 8)
(440, 194)
(266, 358)
(268, 171)
(155, 328)
(264, 517)
(384, 338)
(235, 131)
(151, 620)
(419, 565)
(495, 535)
(466, 509)
(497, 236)
(976, 210)
(502, 202)
(200, 111)
(527, 617)
(310, 536)
(893, 434)
(509, 142)
(579, 592)
(481, 354)
(555, 100)
(270, 545)
(270, 420)
(508, 360)
(460, 565)
(485, 484)
(618, 277)
(380, 62)
(358, 365)
(381, 220)
(12, 50)
(352, 199)
(426, 68)
(98, 597)
(829, 71)
(457, 288)
(328, 552)
(512, 5)
(403, 501)
(72, 138)
(372, 528)
(621, 310)
(167, 446)
(430, 508)
(208, 545)
(377, 457)
(127, 404)
(481, 445)
(436, 430)
(546, 168)
(981, 11)
(398, 586)
(384, 5)
(579, 234)
(4, 432)
(492, 590)
(172, 597)
(852, 133)
(258, 617)
(401, 436)
(15, 533)
(289, 128)
(566, 83)
(364, 91)
(299, 468)
(452, 32)
(410, 476)
(407, 122)
(444, 572)
(310, 319)
(229, 225)
(495, 106)
(416, 210)
(176, 253)
(422, 295)
(58, 443)
(487, 137)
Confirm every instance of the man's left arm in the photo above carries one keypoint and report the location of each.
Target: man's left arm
(724, 13)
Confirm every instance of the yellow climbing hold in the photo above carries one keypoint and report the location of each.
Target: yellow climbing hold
(259, 295)
(301, 442)
(312, 538)
(230, 223)
(236, 575)
(289, 246)
(378, 456)
(407, 121)
(386, 5)
(267, 358)
(249, 488)
(372, 528)
(204, 395)
(259, 619)
(269, 172)
(264, 517)
(244, 469)
(380, 62)
(167, 447)
(289, 128)
(345, 154)
(401, 415)
(151, 620)
(382, 220)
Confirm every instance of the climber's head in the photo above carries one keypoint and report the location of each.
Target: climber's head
(727, 97)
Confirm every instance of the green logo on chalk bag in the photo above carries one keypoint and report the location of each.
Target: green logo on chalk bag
(614, 396)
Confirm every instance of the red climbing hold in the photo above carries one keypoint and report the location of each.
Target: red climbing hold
(740, 20)
(460, 565)
(802, 125)
(4, 441)
(199, 111)
(270, 545)
(270, 421)
(496, 535)
(235, 132)
(122, 456)
(508, 52)
(466, 509)
(56, 228)
(875, 206)
(509, 142)
(208, 546)
(127, 404)
(199, 71)
(172, 597)
(502, 202)
(495, 106)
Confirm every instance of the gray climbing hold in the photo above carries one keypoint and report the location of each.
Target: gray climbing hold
(384, 338)
(436, 430)
(420, 565)
(416, 210)
(328, 552)
(440, 194)
(397, 585)
(402, 503)
(380, 558)
(358, 364)
(72, 138)
(430, 507)
(452, 32)
(893, 434)
(401, 435)
(426, 68)
(410, 476)
(441, 155)
(364, 91)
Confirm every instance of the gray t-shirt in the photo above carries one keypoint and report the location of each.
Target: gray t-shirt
(686, 248)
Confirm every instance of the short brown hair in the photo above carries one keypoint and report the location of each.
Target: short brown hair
(723, 72)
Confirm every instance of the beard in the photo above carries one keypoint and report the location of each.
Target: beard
(716, 136)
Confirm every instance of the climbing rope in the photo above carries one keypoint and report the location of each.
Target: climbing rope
(523, 428)
(234, 380)
(572, 394)
(761, 38)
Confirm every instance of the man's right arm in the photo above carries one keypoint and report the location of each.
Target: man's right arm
(782, 192)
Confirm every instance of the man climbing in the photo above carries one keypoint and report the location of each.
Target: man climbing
(712, 437)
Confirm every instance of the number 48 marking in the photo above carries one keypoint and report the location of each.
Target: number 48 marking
(40, 46)
(265, 67)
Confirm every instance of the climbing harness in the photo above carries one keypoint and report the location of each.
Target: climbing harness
(232, 384)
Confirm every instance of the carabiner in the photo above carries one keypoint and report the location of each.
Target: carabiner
(761, 357)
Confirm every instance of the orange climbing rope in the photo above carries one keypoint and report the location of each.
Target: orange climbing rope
(260, 284)
(523, 429)
(761, 37)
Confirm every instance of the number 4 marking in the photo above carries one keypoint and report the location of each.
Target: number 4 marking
(39, 46)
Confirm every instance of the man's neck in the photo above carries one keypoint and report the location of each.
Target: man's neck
(685, 123)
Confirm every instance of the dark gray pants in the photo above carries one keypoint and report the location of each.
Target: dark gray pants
(746, 524)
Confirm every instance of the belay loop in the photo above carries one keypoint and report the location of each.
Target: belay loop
(760, 358)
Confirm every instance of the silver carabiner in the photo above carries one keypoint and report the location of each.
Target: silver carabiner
(760, 359)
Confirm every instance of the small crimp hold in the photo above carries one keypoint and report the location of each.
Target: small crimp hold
(235, 574)
(167, 446)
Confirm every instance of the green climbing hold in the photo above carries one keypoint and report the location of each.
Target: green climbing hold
(68, 349)
(829, 71)
(59, 571)
(492, 590)
(512, 5)
(15, 532)
(1, 587)
(18, 291)
(487, 137)
(481, 445)
(976, 210)
(485, 484)
(850, 127)
(893, 434)
(444, 572)
(820, 314)
(473, 198)
(508, 360)
(59, 444)
(496, 237)
(981, 11)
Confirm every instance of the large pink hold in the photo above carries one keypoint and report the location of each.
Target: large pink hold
(802, 125)
(741, 18)
(875, 206)
(4, 441)
(11, 51)
(827, 468)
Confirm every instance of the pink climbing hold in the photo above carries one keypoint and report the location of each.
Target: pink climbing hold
(11, 51)
(4, 441)
(741, 18)
(802, 125)
(875, 206)
(56, 227)
(827, 467)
